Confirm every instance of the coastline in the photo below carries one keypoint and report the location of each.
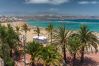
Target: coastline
(31, 32)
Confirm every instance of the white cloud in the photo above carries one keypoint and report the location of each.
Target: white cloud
(94, 2)
(53, 9)
(88, 2)
(83, 2)
(55, 2)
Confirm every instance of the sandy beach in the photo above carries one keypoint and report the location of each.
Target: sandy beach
(32, 33)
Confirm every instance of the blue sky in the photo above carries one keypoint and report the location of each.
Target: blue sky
(65, 7)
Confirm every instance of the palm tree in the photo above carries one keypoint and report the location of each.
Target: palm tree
(4, 47)
(17, 29)
(2, 43)
(62, 37)
(12, 39)
(33, 49)
(74, 46)
(37, 31)
(25, 28)
(50, 56)
(50, 29)
(87, 39)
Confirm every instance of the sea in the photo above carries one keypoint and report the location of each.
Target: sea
(70, 24)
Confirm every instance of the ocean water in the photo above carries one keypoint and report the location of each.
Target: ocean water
(71, 24)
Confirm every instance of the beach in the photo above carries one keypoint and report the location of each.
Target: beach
(31, 32)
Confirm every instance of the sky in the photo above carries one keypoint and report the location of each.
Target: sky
(62, 7)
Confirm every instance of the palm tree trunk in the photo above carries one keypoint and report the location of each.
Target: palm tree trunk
(24, 49)
(38, 34)
(33, 64)
(44, 64)
(74, 58)
(82, 55)
(11, 53)
(51, 38)
(64, 53)
(4, 59)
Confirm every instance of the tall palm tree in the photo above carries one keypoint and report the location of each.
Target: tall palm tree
(25, 28)
(74, 46)
(37, 31)
(33, 49)
(2, 43)
(12, 39)
(17, 29)
(4, 47)
(50, 56)
(50, 29)
(62, 36)
(87, 39)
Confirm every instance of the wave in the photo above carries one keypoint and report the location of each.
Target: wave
(78, 22)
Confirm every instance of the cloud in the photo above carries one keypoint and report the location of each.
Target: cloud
(55, 2)
(88, 2)
(53, 9)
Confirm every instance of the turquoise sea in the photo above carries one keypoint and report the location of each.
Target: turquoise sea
(71, 24)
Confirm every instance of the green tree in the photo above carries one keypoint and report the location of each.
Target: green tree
(18, 32)
(50, 30)
(25, 28)
(10, 62)
(2, 43)
(88, 40)
(17, 29)
(4, 47)
(50, 56)
(33, 49)
(37, 31)
(74, 46)
(62, 37)
(12, 39)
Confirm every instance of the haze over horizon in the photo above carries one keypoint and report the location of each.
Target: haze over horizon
(61, 7)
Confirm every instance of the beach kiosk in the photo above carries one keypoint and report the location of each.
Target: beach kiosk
(40, 39)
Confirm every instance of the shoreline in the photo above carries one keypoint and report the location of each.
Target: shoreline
(20, 23)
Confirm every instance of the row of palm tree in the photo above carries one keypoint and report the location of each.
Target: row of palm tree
(80, 41)
(73, 42)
